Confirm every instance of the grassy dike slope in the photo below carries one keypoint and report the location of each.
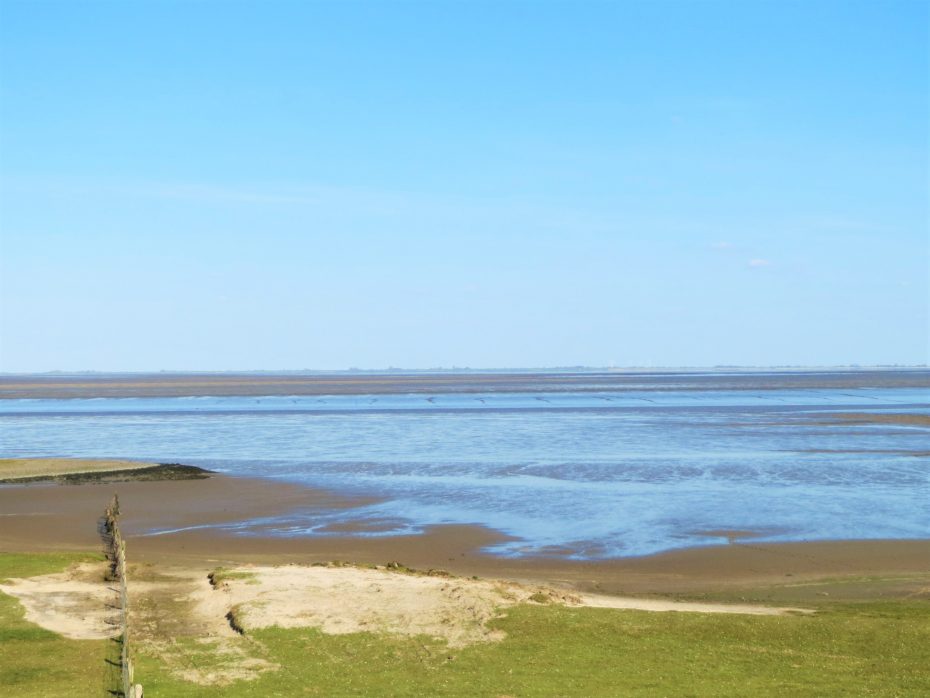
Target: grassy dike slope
(876, 648)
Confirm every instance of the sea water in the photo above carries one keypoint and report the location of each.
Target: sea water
(586, 475)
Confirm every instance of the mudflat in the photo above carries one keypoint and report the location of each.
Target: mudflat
(54, 517)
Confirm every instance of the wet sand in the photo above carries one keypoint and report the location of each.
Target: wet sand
(46, 517)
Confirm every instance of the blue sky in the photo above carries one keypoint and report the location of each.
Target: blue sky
(230, 185)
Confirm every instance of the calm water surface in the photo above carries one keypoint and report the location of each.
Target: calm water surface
(588, 475)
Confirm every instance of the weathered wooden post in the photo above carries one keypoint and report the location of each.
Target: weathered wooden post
(116, 555)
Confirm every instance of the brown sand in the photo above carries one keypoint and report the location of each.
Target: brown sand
(58, 517)
(63, 517)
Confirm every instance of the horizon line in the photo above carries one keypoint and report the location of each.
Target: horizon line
(466, 369)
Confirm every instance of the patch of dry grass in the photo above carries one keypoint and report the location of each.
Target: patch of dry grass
(21, 468)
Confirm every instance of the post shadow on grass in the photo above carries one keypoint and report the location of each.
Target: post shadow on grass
(114, 667)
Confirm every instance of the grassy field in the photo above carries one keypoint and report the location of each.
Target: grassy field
(17, 468)
(876, 649)
(861, 649)
(18, 565)
(38, 663)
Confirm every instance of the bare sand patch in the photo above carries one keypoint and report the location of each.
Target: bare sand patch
(174, 616)
(350, 600)
(661, 605)
(77, 603)
(340, 600)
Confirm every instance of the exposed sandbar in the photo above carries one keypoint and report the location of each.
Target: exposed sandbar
(904, 418)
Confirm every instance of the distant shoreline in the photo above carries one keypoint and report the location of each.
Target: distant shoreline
(464, 370)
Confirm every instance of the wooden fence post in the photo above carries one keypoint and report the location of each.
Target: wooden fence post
(116, 555)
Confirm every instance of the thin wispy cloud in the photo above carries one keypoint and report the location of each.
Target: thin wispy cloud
(759, 262)
(306, 198)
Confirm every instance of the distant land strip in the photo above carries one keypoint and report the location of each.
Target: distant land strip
(57, 386)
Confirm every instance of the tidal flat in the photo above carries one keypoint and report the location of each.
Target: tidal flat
(673, 534)
(579, 465)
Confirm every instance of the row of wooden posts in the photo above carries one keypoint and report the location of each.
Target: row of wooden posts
(116, 557)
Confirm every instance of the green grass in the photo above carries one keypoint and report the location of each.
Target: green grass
(38, 663)
(221, 575)
(20, 565)
(876, 649)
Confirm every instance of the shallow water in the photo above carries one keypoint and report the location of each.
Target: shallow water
(582, 474)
